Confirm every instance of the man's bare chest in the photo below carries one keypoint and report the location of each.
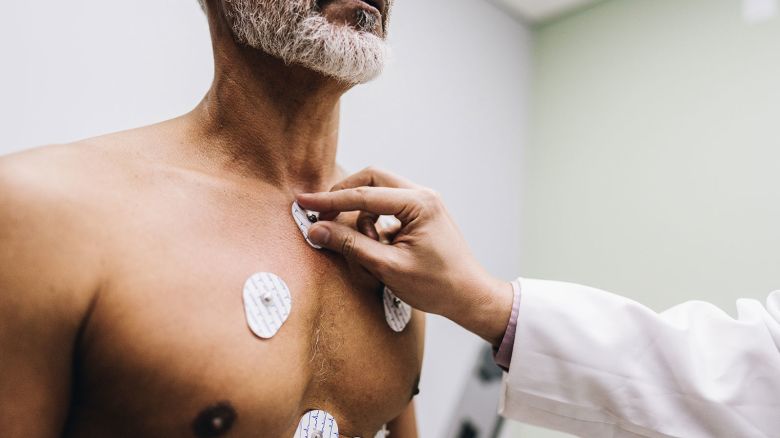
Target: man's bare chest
(167, 345)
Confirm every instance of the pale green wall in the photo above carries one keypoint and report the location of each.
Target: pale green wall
(654, 163)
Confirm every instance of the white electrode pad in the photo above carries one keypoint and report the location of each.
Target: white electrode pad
(267, 303)
(304, 221)
(386, 222)
(397, 313)
(384, 433)
(317, 424)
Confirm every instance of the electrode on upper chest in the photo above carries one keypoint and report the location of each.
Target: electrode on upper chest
(267, 304)
(304, 219)
(397, 313)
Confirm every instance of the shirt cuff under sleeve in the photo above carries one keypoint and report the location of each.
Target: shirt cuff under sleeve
(503, 356)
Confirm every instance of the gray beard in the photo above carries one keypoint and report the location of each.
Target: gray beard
(295, 32)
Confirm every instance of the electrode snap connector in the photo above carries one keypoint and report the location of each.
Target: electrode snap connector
(305, 219)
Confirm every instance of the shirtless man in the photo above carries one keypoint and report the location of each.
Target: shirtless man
(123, 258)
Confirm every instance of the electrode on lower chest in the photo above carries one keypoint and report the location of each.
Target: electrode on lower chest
(397, 313)
(304, 219)
(317, 424)
(267, 304)
(382, 433)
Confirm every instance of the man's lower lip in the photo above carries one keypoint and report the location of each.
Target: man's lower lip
(322, 3)
(369, 4)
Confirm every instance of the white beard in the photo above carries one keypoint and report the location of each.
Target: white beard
(295, 32)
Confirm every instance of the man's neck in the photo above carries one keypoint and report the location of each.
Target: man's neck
(272, 121)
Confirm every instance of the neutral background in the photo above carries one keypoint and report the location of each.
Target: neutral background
(449, 113)
(653, 168)
(654, 164)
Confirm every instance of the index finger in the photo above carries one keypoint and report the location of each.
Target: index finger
(377, 200)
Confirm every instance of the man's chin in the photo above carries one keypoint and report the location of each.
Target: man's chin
(348, 75)
(315, 39)
(338, 51)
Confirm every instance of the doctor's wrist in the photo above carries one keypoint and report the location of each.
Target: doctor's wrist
(488, 313)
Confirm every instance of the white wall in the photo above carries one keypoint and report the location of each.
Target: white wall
(653, 168)
(449, 113)
(79, 68)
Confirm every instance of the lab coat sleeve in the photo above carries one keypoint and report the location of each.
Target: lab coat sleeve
(596, 364)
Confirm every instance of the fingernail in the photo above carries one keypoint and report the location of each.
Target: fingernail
(319, 235)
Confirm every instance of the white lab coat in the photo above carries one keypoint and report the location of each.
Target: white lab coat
(595, 364)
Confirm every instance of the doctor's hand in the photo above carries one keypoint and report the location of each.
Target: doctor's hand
(425, 262)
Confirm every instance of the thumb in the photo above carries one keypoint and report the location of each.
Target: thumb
(349, 243)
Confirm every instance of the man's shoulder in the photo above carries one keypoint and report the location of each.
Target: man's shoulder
(47, 217)
(41, 169)
(48, 275)
(62, 174)
(40, 181)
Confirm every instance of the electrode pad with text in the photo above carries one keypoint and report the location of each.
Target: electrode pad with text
(317, 424)
(267, 303)
(397, 313)
(304, 222)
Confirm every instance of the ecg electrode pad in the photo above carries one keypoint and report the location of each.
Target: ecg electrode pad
(317, 424)
(304, 220)
(267, 303)
(382, 433)
(397, 313)
(387, 222)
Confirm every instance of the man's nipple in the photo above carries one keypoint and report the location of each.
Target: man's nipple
(214, 421)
